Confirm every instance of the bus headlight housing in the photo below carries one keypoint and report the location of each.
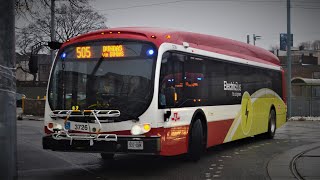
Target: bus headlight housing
(138, 129)
(52, 126)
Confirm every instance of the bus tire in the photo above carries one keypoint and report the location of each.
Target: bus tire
(271, 124)
(107, 156)
(195, 148)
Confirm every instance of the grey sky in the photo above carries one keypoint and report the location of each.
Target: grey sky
(227, 18)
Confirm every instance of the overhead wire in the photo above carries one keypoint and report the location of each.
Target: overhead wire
(297, 6)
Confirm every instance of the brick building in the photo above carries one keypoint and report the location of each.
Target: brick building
(305, 63)
(305, 71)
(44, 66)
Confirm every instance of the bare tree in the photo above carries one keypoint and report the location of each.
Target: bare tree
(72, 18)
(305, 45)
(316, 45)
(70, 22)
(29, 8)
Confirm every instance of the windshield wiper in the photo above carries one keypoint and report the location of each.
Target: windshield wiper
(97, 66)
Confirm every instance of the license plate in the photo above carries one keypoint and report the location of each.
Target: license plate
(77, 126)
(135, 145)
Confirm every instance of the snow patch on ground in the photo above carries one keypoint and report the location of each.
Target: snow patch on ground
(304, 118)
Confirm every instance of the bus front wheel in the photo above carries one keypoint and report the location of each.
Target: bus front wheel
(195, 148)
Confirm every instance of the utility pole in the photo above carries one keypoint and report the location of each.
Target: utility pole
(8, 119)
(52, 29)
(255, 37)
(288, 59)
(248, 39)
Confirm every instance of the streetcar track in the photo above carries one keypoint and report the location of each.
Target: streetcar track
(293, 166)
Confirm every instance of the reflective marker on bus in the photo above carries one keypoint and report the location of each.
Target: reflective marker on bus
(161, 92)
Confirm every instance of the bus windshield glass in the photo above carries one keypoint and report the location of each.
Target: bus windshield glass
(102, 75)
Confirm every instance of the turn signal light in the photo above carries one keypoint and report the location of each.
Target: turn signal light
(50, 125)
(146, 127)
(54, 126)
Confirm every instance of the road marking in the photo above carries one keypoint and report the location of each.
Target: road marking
(218, 172)
(213, 164)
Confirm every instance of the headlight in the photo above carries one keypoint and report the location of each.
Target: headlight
(52, 126)
(138, 129)
(58, 126)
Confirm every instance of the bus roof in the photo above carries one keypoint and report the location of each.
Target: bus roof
(200, 41)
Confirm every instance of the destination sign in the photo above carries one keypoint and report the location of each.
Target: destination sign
(112, 51)
(109, 50)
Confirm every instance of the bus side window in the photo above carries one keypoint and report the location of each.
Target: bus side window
(170, 91)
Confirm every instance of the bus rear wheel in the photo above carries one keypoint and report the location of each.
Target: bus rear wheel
(196, 146)
(271, 125)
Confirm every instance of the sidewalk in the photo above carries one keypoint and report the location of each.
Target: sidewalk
(302, 162)
(31, 117)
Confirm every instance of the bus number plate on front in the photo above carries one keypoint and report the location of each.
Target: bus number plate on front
(77, 126)
(135, 145)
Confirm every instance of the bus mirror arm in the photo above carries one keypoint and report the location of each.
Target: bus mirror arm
(167, 115)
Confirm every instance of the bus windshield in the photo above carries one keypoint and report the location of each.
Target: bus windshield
(102, 75)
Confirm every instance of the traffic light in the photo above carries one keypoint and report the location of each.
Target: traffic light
(33, 64)
(255, 37)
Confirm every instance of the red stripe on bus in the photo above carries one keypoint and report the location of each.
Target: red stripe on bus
(174, 140)
(217, 131)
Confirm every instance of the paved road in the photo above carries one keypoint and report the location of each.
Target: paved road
(243, 159)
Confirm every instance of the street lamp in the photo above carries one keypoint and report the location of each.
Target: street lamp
(255, 37)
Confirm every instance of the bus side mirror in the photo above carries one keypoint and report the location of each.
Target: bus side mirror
(33, 64)
(167, 115)
(54, 45)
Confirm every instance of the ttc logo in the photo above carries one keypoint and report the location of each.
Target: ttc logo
(175, 117)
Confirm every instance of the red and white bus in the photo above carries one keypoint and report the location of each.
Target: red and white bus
(160, 91)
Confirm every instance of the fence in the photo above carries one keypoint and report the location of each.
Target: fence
(306, 97)
(33, 107)
(305, 106)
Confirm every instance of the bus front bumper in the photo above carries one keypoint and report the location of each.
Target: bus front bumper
(123, 144)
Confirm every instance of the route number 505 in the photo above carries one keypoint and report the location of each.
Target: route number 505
(83, 52)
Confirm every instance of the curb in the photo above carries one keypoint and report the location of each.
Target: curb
(303, 118)
(280, 166)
